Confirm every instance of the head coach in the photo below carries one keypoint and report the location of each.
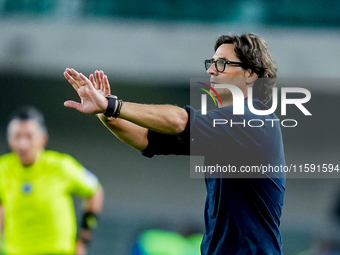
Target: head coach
(242, 215)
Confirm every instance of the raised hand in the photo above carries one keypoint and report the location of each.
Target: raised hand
(91, 92)
(100, 82)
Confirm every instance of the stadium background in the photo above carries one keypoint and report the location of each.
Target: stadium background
(150, 50)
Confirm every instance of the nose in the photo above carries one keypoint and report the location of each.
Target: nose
(23, 144)
(212, 70)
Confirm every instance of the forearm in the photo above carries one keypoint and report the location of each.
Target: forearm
(135, 119)
(94, 203)
(167, 119)
(138, 118)
(92, 207)
(127, 132)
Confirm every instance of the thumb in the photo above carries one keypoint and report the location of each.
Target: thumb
(72, 104)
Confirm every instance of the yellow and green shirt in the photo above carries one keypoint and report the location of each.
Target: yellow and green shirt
(39, 212)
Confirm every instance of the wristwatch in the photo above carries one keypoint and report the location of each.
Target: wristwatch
(111, 107)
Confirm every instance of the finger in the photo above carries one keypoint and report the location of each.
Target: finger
(68, 70)
(72, 104)
(106, 84)
(73, 73)
(75, 76)
(101, 75)
(85, 81)
(93, 81)
(96, 73)
(68, 75)
(97, 79)
(71, 81)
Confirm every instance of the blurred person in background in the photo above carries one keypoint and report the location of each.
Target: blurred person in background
(242, 215)
(36, 188)
(156, 241)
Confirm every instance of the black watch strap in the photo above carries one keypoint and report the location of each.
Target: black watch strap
(111, 105)
(119, 107)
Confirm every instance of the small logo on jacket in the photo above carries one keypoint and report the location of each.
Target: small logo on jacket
(26, 188)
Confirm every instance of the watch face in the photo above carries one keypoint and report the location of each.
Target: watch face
(112, 96)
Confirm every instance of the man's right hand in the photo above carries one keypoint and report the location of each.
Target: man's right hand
(80, 248)
(93, 100)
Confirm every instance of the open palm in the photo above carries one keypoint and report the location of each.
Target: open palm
(91, 91)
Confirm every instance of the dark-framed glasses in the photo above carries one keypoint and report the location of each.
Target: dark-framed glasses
(220, 64)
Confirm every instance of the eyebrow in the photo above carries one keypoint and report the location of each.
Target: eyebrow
(223, 59)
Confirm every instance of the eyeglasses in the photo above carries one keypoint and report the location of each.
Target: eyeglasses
(220, 64)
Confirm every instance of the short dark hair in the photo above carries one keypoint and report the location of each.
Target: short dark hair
(26, 113)
(253, 52)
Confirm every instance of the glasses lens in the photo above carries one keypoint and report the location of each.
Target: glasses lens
(220, 65)
(208, 63)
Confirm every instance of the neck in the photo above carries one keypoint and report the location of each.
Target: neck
(30, 162)
(225, 103)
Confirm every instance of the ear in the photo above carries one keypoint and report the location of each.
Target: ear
(44, 140)
(250, 77)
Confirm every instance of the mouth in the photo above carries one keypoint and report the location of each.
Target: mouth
(213, 83)
(23, 154)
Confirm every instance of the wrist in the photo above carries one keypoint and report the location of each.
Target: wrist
(89, 220)
(111, 105)
(114, 106)
(88, 224)
(84, 236)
